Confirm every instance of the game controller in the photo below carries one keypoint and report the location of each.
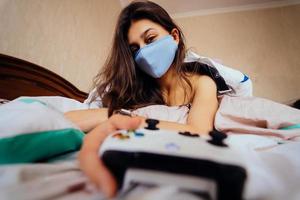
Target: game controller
(205, 165)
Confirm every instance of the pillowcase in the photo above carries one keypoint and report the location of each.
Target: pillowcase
(32, 131)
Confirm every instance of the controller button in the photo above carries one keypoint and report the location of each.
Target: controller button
(172, 147)
(125, 137)
(121, 136)
(217, 138)
(189, 134)
(139, 134)
(151, 124)
(117, 135)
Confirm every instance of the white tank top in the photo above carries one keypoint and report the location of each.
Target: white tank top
(177, 114)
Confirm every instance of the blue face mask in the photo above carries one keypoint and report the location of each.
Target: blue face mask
(156, 58)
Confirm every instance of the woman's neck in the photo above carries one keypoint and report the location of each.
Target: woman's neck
(172, 89)
(168, 81)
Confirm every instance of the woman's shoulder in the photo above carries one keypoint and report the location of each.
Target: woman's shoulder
(202, 82)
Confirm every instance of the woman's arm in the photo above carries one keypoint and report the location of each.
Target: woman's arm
(204, 107)
(87, 119)
(200, 119)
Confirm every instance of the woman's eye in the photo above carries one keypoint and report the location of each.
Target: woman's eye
(134, 50)
(150, 39)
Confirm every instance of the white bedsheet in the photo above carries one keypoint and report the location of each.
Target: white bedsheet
(273, 170)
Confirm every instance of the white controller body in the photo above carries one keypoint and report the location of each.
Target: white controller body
(171, 143)
(164, 157)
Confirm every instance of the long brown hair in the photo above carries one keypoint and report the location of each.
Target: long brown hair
(120, 83)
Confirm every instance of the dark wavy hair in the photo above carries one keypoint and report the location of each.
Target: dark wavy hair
(120, 83)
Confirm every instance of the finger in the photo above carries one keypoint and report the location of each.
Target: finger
(95, 137)
(125, 122)
(95, 169)
(89, 159)
(91, 163)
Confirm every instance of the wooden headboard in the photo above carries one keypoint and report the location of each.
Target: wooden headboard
(22, 78)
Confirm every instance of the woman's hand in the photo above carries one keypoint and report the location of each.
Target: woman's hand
(89, 159)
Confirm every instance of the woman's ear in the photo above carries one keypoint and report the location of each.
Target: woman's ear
(175, 34)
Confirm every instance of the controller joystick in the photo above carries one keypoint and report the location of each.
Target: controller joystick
(217, 138)
(151, 124)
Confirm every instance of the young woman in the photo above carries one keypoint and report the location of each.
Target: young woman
(146, 67)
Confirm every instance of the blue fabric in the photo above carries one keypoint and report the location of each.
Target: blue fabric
(37, 146)
(245, 78)
(156, 58)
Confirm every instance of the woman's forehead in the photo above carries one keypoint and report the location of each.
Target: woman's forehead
(139, 27)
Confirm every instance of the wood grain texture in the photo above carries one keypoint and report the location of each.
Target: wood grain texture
(22, 78)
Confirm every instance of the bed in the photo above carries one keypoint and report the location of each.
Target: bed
(22, 78)
(58, 176)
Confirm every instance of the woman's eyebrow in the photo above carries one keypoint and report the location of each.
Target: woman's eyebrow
(145, 32)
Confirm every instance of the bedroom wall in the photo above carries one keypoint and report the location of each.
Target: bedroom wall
(265, 44)
(72, 38)
(69, 37)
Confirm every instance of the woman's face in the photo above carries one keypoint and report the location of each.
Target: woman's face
(144, 31)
